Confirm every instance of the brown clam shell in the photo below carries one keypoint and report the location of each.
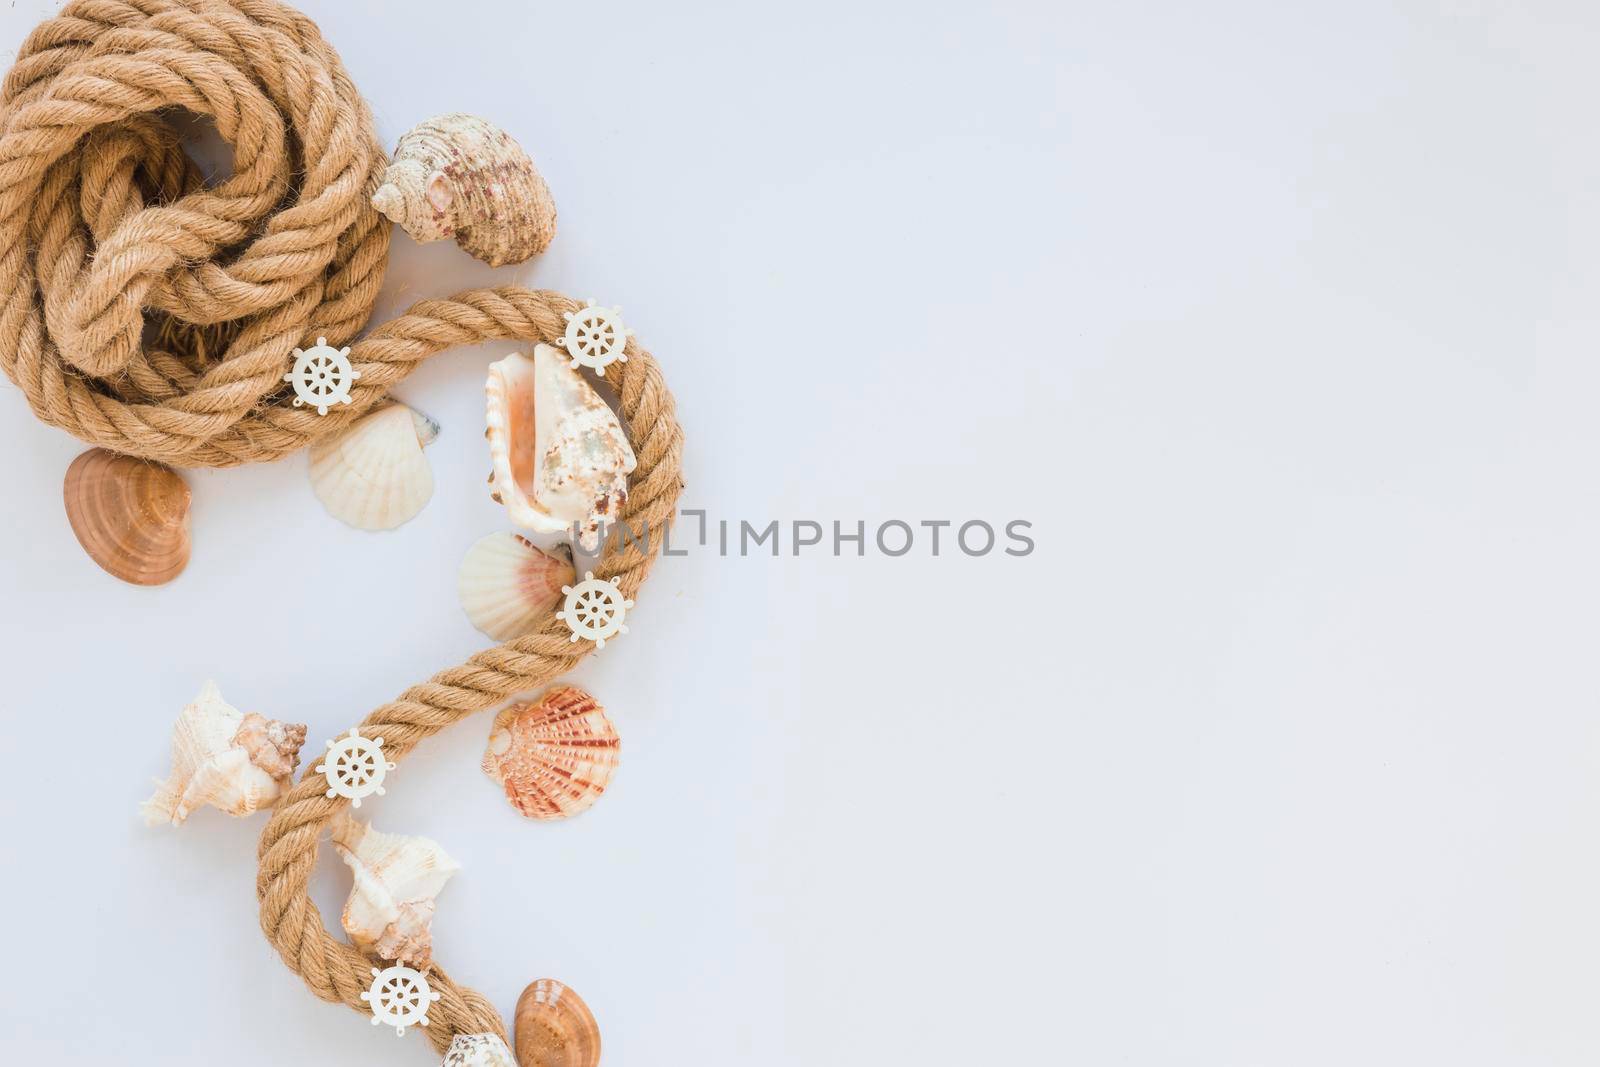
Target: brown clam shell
(131, 516)
(555, 1028)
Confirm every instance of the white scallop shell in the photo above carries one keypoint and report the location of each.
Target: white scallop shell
(561, 460)
(234, 762)
(507, 586)
(391, 904)
(374, 475)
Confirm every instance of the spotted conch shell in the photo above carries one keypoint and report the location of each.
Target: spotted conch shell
(561, 460)
(555, 756)
(464, 177)
(237, 763)
(391, 904)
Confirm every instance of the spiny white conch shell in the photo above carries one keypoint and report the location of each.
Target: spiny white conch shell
(390, 909)
(374, 475)
(507, 586)
(237, 763)
(462, 176)
(478, 1050)
(561, 460)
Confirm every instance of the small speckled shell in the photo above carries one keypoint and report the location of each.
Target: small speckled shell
(554, 756)
(478, 1050)
(464, 177)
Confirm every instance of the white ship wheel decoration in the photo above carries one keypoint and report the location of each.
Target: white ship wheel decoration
(595, 337)
(354, 767)
(322, 376)
(594, 609)
(400, 997)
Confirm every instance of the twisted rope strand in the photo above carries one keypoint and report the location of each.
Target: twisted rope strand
(288, 851)
(109, 235)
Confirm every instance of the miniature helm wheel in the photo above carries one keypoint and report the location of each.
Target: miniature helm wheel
(400, 997)
(322, 376)
(595, 337)
(594, 609)
(355, 767)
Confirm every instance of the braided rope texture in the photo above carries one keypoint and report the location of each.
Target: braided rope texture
(109, 234)
(154, 315)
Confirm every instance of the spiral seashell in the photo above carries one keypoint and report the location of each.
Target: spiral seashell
(392, 899)
(554, 756)
(464, 177)
(559, 458)
(234, 762)
(555, 1028)
(130, 516)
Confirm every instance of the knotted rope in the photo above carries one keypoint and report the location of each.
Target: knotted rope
(154, 316)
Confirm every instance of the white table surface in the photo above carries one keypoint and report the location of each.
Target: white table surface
(1279, 321)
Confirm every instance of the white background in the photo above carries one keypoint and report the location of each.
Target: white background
(1278, 320)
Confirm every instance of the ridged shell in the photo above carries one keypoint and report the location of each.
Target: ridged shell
(237, 763)
(554, 756)
(560, 459)
(130, 516)
(462, 176)
(391, 905)
(555, 1028)
(374, 475)
(478, 1050)
(507, 586)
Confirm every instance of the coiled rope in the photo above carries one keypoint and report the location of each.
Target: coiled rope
(155, 316)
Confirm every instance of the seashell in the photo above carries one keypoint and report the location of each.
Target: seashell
(374, 475)
(507, 586)
(555, 1028)
(464, 177)
(561, 460)
(131, 516)
(238, 763)
(555, 755)
(391, 904)
(478, 1050)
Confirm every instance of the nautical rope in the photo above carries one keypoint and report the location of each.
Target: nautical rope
(154, 316)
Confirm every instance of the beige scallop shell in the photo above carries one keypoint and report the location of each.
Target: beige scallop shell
(462, 176)
(130, 516)
(507, 586)
(555, 1028)
(234, 762)
(554, 756)
(560, 457)
(374, 475)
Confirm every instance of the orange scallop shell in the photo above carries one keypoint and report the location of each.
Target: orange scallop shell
(554, 756)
